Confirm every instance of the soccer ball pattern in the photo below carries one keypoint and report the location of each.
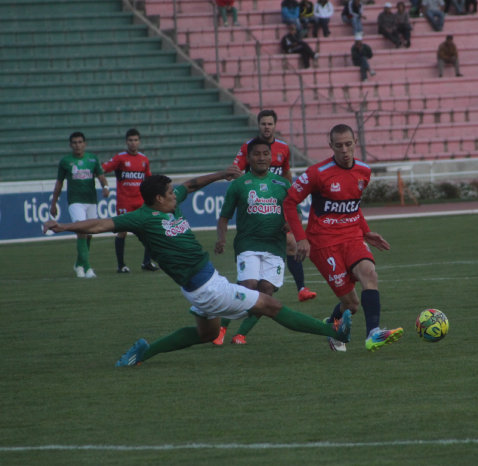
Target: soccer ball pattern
(432, 325)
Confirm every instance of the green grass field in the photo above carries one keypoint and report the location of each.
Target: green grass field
(282, 399)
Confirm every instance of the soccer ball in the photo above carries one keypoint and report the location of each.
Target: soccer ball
(432, 325)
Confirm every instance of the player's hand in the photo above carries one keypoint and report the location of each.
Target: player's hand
(232, 172)
(53, 210)
(52, 225)
(303, 250)
(219, 247)
(376, 240)
(106, 191)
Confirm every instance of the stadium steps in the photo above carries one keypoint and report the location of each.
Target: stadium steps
(406, 83)
(71, 65)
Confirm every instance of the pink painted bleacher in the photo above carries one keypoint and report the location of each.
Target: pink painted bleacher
(404, 94)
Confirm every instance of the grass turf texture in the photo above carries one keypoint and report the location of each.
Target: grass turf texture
(61, 337)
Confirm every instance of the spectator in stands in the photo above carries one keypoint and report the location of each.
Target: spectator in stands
(458, 5)
(292, 43)
(448, 55)
(323, 11)
(387, 25)
(470, 3)
(433, 12)
(416, 8)
(306, 15)
(361, 54)
(290, 12)
(227, 7)
(403, 23)
(352, 14)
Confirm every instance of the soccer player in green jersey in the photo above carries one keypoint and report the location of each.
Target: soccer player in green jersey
(160, 225)
(79, 169)
(260, 241)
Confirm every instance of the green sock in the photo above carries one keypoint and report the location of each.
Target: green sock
(247, 324)
(88, 241)
(82, 258)
(182, 338)
(299, 322)
(225, 322)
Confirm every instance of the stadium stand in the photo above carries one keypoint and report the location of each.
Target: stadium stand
(92, 66)
(406, 111)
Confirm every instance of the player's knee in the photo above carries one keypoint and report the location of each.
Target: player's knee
(266, 306)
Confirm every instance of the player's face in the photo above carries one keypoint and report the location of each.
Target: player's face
(267, 128)
(167, 203)
(78, 146)
(259, 159)
(343, 145)
(132, 143)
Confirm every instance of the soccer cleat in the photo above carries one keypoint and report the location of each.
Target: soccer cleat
(336, 345)
(80, 271)
(343, 326)
(381, 337)
(220, 338)
(124, 269)
(239, 339)
(150, 267)
(90, 273)
(134, 355)
(305, 294)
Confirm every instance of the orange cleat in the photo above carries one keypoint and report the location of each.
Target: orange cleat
(305, 294)
(220, 338)
(239, 340)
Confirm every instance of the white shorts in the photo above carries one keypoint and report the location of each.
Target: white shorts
(79, 212)
(220, 298)
(254, 265)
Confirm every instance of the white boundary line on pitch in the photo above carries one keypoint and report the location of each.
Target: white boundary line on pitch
(238, 446)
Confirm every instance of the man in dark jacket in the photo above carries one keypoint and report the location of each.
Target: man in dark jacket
(361, 53)
(292, 43)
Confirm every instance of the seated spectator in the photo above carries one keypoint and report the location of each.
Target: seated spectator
(470, 3)
(361, 54)
(227, 7)
(306, 16)
(323, 11)
(416, 8)
(387, 25)
(404, 27)
(290, 12)
(433, 12)
(352, 14)
(292, 43)
(448, 55)
(458, 5)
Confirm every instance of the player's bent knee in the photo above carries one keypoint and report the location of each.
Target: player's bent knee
(266, 306)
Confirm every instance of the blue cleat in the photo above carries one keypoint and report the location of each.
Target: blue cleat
(344, 327)
(134, 355)
(381, 337)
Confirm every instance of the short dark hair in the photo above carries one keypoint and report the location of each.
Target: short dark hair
(266, 113)
(341, 129)
(152, 186)
(132, 132)
(255, 142)
(77, 134)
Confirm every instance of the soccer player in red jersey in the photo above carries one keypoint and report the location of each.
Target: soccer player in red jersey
(337, 234)
(280, 165)
(131, 167)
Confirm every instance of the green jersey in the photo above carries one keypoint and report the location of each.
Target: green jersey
(260, 218)
(168, 237)
(80, 175)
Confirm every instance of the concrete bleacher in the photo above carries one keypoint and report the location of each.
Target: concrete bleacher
(91, 66)
(408, 111)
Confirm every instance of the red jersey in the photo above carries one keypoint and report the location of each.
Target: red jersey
(335, 215)
(130, 171)
(280, 157)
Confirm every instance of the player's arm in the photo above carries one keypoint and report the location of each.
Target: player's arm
(91, 226)
(104, 184)
(221, 230)
(199, 182)
(372, 238)
(56, 195)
